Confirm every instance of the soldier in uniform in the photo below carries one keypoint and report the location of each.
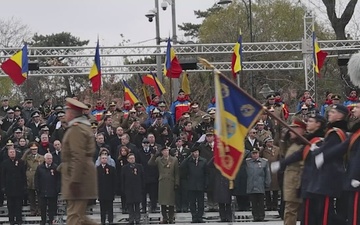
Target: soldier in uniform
(34, 125)
(4, 107)
(140, 112)
(272, 154)
(9, 119)
(78, 172)
(261, 133)
(206, 123)
(132, 180)
(258, 179)
(13, 184)
(169, 181)
(28, 109)
(327, 181)
(32, 160)
(116, 114)
(195, 113)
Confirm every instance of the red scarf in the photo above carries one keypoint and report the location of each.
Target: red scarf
(353, 99)
(186, 98)
(328, 102)
(100, 108)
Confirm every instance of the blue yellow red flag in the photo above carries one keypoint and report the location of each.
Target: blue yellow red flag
(236, 113)
(17, 66)
(236, 61)
(95, 72)
(145, 90)
(172, 67)
(319, 56)
(129, 94)
(152, 80)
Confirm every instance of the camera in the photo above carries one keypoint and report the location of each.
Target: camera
(164, 5)
(151, 14)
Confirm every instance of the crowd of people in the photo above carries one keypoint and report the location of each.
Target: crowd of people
(165, 153)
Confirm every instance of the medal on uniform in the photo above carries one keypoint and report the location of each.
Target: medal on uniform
(52, 172)
(168, 165)
(121, 163)
(135, 171)
(107, 170)
(16, 163)
(259, 163)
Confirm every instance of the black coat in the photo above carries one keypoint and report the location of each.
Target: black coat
(329, 178)
(46, 149)
(56, 157)
(248, 145)
(35, 129)
(106, 182)
(222, 193)
(195, 174)
(6, 123)
(120, 163)
(132, 179)
(151, 173)
(13, 177)
(47, 181)
(240, 182)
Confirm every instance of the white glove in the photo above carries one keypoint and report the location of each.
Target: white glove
(319, 160)
(275, 166)
(355, 183)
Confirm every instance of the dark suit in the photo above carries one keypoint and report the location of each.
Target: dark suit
(47, 185)
(249, 146)
(196, 173)
(107, 135)
(35, 129)
(56, 157)
(107, 187)
(7, 123)
(13, 179)
(132, 180)
(46, 149)
(182, 201)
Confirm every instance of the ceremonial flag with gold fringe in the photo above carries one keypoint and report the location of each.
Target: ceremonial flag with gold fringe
(236, 113)
(185, 83)
(17, 66)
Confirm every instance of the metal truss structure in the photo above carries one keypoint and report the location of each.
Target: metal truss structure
(74, 61)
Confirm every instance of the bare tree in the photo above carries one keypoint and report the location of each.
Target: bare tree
(339, 23)
(13, 32)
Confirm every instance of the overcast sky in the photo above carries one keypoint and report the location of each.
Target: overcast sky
(106, 18)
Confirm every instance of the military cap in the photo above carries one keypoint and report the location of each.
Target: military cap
(10, 110)
(185, 114)
(194, 105)
(9, 143)
(138, 104)
(206, 116)
(17, 130)
(155, 110)
(162, 104)
(260, 122)
(58, 107)
(94, 124)
(209, 132)
(30, 100)
(17, 108)
(304, 107)
(75, 104)
(131, 110)
(181, 91)
(145, 140)
(336, 97)
(4, 99)
(112, 103)
(211, 111)
(341, 108)
(268, 139)
(44, 127)
(270, 97)
(297, 122)
(35, 114)
(60, 113)
(255, 150)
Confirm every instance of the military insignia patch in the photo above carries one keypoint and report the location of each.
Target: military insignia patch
(225, 90)
(247, 110)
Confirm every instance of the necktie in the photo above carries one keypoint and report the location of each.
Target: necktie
(196, 161)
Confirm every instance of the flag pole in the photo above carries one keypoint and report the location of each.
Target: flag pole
(238, 79)
(171, 91)
(216, 71)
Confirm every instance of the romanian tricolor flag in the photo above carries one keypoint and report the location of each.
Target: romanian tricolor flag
(152, 80)
(172, 67)
(129, 94)
(95, 72)
(236, 113)
(185, 83)
(236, 61)
(319, 56)
(145, 90)
(17, 66)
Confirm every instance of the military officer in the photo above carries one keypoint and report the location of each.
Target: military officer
(78, 172)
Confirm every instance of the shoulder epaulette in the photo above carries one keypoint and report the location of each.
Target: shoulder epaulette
(265, 159)
(248, 158)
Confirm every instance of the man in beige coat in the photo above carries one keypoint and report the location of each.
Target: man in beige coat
(32, 160)
(292, 175)
(78, 172)
(169, 181)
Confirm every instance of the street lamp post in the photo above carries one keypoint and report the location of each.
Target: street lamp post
(158, 57)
